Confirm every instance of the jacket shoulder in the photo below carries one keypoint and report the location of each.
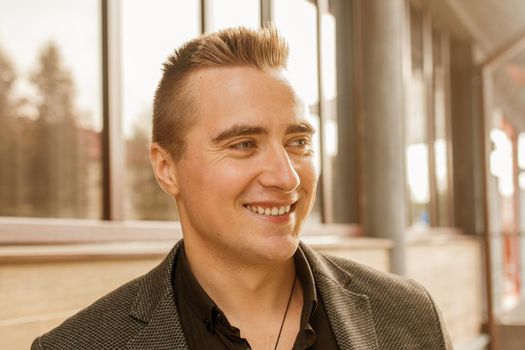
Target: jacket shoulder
(368, 279)
(105, 323)
(384, 290)
(117, 318)
(401, 307)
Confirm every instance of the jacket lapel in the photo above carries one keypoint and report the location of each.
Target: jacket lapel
(155, 306)
(349, 313)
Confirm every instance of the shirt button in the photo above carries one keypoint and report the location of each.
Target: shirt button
(216, 314)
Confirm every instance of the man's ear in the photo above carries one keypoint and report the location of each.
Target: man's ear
(164, 169)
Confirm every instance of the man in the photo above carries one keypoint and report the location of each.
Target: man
(233, 145)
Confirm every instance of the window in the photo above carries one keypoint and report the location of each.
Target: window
(521, 178)
(440, 128)
(506, 177)
(505, 213)
(335, 138)
(427, 125)
(58, 57)
(50, 109)
(417, 161)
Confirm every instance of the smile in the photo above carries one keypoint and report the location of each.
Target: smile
(274, 211)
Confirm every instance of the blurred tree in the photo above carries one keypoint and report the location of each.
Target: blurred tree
(58, 165)
(147, 198)
(9, 198)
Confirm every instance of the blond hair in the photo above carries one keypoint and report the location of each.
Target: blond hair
(174, 104)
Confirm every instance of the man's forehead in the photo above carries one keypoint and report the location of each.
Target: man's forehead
(236, 75)
(231, 89)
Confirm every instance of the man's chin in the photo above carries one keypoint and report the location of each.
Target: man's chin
(280, 248)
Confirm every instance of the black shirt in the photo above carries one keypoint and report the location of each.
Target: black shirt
(206, 327)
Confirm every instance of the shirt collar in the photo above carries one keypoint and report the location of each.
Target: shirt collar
(306, 277)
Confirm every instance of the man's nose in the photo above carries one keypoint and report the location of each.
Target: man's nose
(279, 171)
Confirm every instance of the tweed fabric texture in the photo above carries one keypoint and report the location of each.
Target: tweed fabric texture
(367, 309)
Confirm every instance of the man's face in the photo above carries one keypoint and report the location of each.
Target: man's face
(247, 179)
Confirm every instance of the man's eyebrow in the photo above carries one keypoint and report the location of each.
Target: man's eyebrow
(300, 128)
(239, 130)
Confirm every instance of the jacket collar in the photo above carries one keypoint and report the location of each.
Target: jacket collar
(155, 305)
(349, 312)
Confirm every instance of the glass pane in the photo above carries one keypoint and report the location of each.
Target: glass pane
(503, 197)
(416, 38)
(316, 213)
(231, 13)
(150, 32)
(334, 137)
(440, 129)
(328, 52)
(296, 20)
(50, 109)
(521, 151)
(506, 181)
(521, 186)
(417, 162)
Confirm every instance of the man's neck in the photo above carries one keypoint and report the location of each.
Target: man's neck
(238, 287)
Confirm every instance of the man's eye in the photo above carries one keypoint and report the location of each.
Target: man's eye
(301, 143)
(243, 146)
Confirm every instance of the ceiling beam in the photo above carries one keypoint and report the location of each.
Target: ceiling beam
(470, 25)
(505, 53)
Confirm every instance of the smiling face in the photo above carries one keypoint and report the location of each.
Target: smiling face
(247, 179)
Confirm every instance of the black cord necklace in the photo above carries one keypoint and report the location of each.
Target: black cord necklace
(285, 313)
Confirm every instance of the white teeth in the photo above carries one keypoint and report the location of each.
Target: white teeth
(274, 211)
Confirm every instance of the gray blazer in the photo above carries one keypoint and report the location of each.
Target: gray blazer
(367, 310)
